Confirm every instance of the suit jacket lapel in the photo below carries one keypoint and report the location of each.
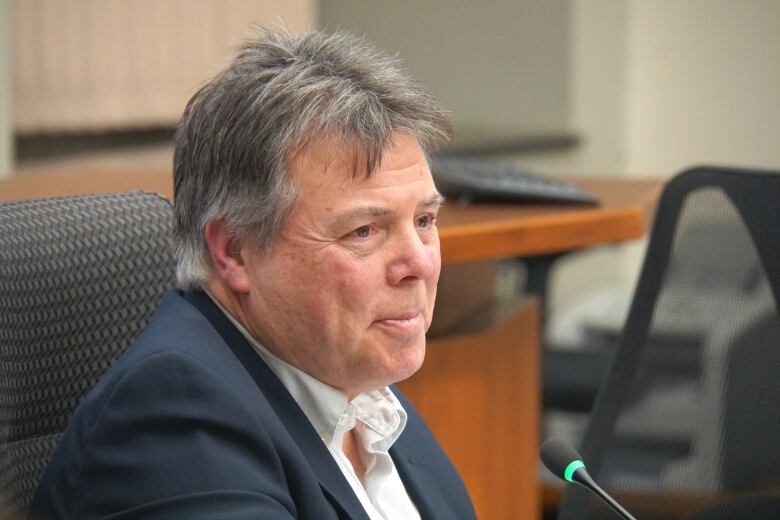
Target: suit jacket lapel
(298, 426)
(420, 483)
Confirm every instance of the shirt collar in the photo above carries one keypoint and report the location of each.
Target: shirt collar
(327, 408)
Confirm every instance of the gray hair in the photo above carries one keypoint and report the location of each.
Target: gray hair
(280, 94)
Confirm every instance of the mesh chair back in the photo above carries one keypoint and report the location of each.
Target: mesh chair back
(79, 277)
(687, 417)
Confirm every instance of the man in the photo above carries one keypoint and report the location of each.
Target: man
(308, 257)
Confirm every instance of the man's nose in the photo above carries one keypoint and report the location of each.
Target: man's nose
(413, 258)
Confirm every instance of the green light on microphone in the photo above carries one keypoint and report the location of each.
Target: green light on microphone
(571, 468)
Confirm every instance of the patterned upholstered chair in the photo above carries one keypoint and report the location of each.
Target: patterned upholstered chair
(79, 278)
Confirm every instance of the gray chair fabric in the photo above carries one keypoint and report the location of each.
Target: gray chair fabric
(79, 278)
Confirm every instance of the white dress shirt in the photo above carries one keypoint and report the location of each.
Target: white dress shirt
(377, 418)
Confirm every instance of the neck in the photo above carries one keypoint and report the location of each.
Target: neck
(353, 452)
(227, 299)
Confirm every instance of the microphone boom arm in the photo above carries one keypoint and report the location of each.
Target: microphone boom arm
(581, 477)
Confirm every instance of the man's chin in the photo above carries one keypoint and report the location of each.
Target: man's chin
(411, 362)
(395, 362)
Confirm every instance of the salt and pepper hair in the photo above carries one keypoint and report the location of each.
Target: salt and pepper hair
(282, 92)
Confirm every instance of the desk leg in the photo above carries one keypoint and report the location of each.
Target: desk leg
(479, 393)
(538, 279)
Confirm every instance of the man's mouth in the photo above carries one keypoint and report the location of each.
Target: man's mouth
(405, 323)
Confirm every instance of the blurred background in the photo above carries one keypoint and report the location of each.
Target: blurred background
(566, 88)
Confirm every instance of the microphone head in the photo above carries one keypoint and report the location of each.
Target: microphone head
(560, 458)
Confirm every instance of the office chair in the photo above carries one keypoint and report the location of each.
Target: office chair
(686, 420)
(79, 278)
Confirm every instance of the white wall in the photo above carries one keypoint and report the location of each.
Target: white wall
(658, 85)
(597, 61)
(703, 84)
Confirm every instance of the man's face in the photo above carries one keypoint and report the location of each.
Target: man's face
(347, 292)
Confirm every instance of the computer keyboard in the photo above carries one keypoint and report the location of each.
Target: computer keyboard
(469, 179)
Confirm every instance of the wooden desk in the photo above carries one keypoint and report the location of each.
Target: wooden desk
(479, 389)
(488, 231)
(34, 185)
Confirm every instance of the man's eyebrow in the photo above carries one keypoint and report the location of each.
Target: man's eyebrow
(365, 211)
(432, 202)
(360, 213)
(378, 211)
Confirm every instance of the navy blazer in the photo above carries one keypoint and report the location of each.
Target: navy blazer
(190, 423)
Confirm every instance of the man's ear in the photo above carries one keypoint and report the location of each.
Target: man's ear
(226, 257)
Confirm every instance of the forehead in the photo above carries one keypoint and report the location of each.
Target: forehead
(326, 165)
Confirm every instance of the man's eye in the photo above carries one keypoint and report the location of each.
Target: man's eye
(362, 232)
(425, 221)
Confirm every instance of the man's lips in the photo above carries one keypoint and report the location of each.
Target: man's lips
(408, 322)
(401, 317)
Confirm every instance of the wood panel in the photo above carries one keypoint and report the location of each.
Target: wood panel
(479, 393)
(95, 64)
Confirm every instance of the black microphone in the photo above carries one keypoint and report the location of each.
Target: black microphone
(564, 462)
